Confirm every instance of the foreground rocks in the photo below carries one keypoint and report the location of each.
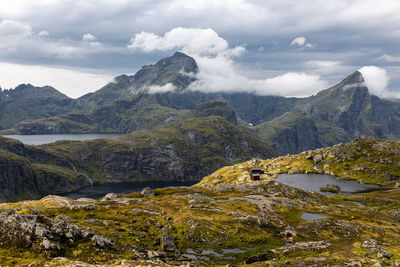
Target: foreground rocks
(42, 233)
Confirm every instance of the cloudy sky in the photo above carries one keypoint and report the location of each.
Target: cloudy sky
(287, 47)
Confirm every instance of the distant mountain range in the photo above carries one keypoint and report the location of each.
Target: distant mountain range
(129, 103)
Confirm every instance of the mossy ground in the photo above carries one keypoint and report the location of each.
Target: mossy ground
(203, 220)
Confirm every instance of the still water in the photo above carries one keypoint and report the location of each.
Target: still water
(312, 216)
(41, 139)
(100, 190)
(313, 182)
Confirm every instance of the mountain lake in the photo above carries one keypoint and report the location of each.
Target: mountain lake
(100, 190)
(42, 139)
(313, 182)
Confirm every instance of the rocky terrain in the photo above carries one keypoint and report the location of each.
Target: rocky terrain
(186, 150)
(229, 221)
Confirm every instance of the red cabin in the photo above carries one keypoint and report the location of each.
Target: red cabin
(255, 173)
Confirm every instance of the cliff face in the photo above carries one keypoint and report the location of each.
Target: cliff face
(301, 136)
(22, 175)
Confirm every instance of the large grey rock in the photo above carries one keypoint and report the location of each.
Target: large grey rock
(147, 192)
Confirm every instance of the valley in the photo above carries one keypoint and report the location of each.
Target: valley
(87, 202)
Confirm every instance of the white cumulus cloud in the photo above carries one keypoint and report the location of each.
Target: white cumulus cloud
(188, 40)
(376, 80)
(44, 34)
(11, 28)
(90, 40)
(299, 41)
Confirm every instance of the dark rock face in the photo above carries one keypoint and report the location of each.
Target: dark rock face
(300, 137)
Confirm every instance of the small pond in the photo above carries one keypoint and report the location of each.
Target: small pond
(313, 182)
(41, 139)
(100, 190)
(312, 216)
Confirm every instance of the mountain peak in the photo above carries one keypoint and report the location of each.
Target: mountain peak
(354, 78)
(177, 62)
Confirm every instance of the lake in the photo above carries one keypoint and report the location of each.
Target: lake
(100, 190)
(313, 182)
(41, 139)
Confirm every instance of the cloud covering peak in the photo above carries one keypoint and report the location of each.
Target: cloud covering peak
(218, 71)
(376, 80)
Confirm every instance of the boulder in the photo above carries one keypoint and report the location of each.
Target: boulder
(330, 188)
(147, 192)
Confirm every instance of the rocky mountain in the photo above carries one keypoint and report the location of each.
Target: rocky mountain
(177, 70)
(335, 115)
(30, 102)
(186, 150)
(226, 219)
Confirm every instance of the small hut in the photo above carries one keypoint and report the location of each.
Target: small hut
(255, 173)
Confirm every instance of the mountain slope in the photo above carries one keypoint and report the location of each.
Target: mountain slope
(338, 114)
(186, 150)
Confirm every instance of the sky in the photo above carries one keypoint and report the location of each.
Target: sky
(286, 47)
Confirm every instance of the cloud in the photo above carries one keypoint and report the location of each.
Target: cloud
(162, 89)
(390, 58)
(221, 74)
(11, 28)
(376, 80)
(44, 34)
(188, 40)
(74, 83)
(324, 63)
(90, 40)
(337, 27)
(218, 72)
(89, 37)
(299, 41)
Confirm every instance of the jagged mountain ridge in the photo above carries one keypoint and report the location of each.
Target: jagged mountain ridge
(335, 115)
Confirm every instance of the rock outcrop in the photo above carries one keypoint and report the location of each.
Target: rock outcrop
(40, 233)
